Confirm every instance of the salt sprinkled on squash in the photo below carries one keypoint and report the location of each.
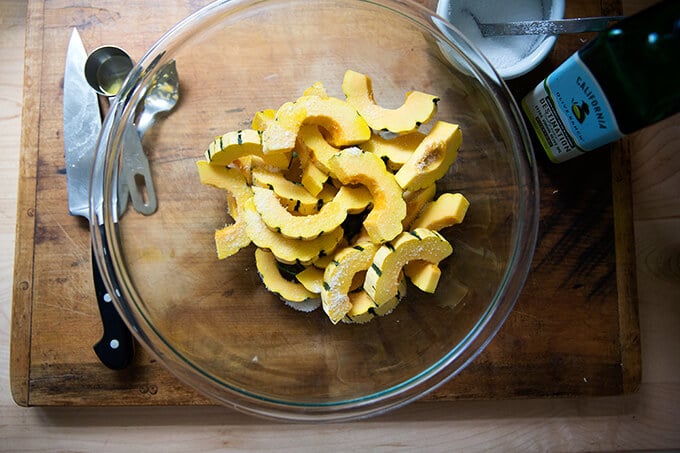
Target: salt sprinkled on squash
(311, 185)
(353, 166)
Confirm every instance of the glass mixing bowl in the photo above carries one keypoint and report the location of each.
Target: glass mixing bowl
(212, 322)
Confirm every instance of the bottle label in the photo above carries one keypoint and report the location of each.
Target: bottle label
(570, 112)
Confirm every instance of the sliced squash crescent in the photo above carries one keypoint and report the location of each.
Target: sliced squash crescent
(330, 216)
(424, 275)
(316, 89)
(313, 175)
(276, 217)
(312, 140)
(353, 166)
(396, 150)
(322, 262)
(339, 119)
(418, 108)
(233, 145)
(448, 210)
(311, 278)
(294, 196)
(233, 237)
(353, 198)
(285, 249)
(262, 119)
(382, 278)
(228, 179)
(415, 201)
(364, 309)
(274, 281)
(337, 278)
(432, 158)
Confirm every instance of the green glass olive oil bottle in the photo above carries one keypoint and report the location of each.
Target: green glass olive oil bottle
(626, 78)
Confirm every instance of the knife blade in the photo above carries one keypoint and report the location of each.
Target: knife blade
(82, 126)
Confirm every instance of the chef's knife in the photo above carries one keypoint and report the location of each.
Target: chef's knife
(82, 125)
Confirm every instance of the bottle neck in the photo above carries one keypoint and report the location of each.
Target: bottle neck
(637, 63)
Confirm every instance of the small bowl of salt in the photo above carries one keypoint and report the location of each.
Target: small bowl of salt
(511, 56)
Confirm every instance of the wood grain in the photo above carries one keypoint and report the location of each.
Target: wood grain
(569, 335)
(646, 420)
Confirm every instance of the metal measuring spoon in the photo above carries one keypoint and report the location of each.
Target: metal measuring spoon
(105, 70)
(162, 97)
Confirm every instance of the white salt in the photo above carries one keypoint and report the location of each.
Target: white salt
(501, 51)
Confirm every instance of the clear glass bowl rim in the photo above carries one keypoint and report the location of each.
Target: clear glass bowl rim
(106, 241)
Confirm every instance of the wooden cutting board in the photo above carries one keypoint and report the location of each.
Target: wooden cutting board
(573, 332)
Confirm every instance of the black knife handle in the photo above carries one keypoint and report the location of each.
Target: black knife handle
(116, 347)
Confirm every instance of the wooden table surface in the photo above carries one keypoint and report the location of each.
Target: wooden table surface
(648, 419)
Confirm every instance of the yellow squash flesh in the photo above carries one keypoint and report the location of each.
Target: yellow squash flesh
(262, 119)
(311, 278)
(353, 166)
(415, 201)
(432, 158)
(237, 144)
(364, 309)
(382, 278)
(274, 281)
(287, 250)
(396, 150)
(316, 89)
(339, 119)
(313, 175)
(228, 179)
(294, 196)
(231, 238)
(448, 210)
(337, 278)
(417, 109)
(276, 217)
(424, 275)
(319, 150)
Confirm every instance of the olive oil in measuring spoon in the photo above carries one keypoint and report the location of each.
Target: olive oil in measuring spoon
(112, 73)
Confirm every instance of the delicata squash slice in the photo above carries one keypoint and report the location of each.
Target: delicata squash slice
(296, 198)
(314, 143)
(432, 158)
(364, 308)
(353, 166)
(312, 176)
(236, 144)
(337, 278)
(228, 179)
(448, 210)
(415, 201)
(268, 270)
(424, 275)
(395, 150)
(345, 127)
(382, 278)
(330, 216)
(311, 278)
(262, 119)
(418, 108)
(316, 184)
(287, 250)
(231, 238)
